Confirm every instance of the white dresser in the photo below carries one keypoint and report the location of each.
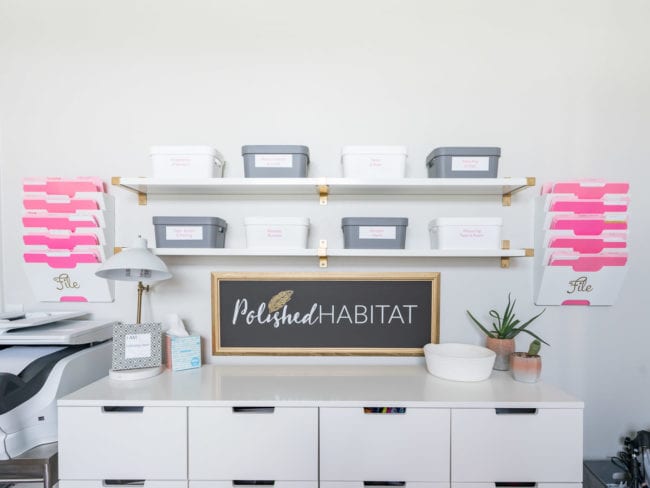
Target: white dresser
(327, 426)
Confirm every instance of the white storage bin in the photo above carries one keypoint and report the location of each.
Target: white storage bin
(374, 161)
(465, 233)
(186, 162)
(283, 232)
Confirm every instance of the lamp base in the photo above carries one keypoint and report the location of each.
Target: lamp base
(135, 374)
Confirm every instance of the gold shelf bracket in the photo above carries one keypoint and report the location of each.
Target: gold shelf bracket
(323, 193)
(142, 196)
(322, 253)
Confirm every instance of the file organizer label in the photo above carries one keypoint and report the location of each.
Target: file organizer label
(68, 231)
(581, 236)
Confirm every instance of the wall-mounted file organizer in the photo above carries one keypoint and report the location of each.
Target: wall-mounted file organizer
(68, 232)
(581, 236)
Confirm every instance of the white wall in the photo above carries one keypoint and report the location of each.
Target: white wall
(562, 87)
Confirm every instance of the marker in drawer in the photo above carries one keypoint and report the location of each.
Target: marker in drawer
(384, 410)
(253, 409)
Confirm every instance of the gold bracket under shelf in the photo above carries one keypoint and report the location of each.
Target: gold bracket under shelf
(322, 253)
(506, 198)
(142, 196)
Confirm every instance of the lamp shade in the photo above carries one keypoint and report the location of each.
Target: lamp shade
(135, 263)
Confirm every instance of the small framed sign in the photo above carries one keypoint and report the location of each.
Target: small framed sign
(136, 346)
(324, 313)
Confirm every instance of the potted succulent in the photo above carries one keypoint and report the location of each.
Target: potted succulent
(527, 366)
(501, 337)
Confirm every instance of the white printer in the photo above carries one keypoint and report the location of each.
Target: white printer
(44, 356)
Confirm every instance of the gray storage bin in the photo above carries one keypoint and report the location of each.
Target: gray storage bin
(190, 231)
(374, 232)
(463, 162)
(275, 161)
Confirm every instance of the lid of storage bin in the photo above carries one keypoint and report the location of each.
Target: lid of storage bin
(442, 221)
(179, 220)
(304, 221)
(274, 149)
(374, 221)
(464, 151)
(374, 150)
(186, 150)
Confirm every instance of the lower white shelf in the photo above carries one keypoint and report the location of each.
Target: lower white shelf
(387, 253)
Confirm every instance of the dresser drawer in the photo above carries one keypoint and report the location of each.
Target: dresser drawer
(242, 484)
(516, 445)
(121, 484)
(122, 443)
(360, 445)
(253, 443)
(387, 484)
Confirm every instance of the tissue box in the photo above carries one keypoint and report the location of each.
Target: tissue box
(182, 352)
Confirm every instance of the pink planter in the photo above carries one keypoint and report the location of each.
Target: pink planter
(503, 349)
(525, 368)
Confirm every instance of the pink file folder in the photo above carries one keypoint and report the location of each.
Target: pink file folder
(586, 188)
(63, 186)
(588, 262)
(61, 261)
(588, 206)
(71, 206)
(589, 244)
(64, 241)
(588, 225)
(58, 221)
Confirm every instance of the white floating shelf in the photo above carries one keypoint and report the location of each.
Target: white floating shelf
(323, 187)
(371, 253)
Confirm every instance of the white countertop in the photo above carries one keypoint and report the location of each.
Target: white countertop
(326, 386)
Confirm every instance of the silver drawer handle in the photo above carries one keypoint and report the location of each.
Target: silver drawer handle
(253, 409)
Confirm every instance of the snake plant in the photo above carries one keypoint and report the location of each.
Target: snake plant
(507, 326)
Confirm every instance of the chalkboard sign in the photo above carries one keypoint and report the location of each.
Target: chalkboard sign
(324, 313)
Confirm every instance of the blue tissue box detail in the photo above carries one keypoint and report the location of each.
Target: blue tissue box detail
(182, 352)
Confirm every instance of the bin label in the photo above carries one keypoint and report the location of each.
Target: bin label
(184, 233)
(273, 160)
(376, 232)
(470, 163)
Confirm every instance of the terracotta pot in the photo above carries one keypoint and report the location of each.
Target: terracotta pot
(525, 368)
(503, 349)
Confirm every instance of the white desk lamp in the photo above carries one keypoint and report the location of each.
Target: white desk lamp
(135, 263)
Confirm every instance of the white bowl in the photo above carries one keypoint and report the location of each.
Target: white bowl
(459, 362)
